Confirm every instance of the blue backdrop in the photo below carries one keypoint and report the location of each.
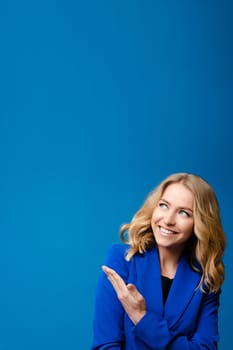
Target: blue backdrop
(100, 100)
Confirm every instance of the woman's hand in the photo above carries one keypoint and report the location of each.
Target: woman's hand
(130, 298)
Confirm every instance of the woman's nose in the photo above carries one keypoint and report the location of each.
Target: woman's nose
(169, 219)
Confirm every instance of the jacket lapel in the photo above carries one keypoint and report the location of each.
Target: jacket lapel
(182, 290)
(148, 280)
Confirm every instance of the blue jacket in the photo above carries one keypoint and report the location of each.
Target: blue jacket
(187, 321)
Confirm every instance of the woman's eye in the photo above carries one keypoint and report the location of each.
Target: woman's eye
(162, 205)
(184, 213)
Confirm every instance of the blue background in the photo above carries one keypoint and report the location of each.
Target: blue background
(100, 100)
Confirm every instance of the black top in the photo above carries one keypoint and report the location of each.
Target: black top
(166, 285)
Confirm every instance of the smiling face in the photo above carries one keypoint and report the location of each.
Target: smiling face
(172, 220)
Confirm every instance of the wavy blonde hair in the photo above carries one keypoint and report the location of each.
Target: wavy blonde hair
(207, 244)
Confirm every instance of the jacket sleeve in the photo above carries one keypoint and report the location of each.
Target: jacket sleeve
(154, 330)
(108, 330)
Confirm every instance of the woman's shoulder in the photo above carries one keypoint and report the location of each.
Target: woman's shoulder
(116, 259)
(118, 250)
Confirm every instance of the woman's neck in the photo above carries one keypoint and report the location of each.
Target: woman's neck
(168, 262)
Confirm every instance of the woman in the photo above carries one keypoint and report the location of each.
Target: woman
(161, 289)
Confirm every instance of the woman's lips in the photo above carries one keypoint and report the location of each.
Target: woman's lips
(166, 231)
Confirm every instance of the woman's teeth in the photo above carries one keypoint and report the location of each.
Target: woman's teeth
(164, 230)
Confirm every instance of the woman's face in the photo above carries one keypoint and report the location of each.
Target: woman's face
(172, 220)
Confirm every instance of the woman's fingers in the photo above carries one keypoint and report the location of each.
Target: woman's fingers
(135, 294)
(122, 290)
(117, 282)
(130, 298)
(133, 290)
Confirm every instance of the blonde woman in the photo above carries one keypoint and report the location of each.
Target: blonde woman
(161, 288)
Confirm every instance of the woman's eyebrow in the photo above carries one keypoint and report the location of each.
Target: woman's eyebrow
(186, 208)
(164, 200)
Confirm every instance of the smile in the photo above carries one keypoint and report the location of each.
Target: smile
(165, 231)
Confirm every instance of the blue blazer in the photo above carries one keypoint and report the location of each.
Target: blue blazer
(187, 321)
